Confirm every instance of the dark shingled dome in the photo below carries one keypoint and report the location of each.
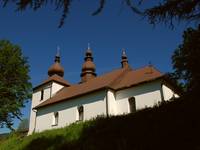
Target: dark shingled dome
(88, 68)
(56, 68)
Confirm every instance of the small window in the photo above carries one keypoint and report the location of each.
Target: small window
(132, 104)
(55, 118)
(42, 94)
(80, 113)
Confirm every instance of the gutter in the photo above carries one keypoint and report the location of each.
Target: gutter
(34, 110)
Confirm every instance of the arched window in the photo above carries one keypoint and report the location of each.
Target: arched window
(132, 104)
(80, 113)
(55, 118)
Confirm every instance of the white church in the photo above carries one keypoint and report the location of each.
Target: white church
(56, 103)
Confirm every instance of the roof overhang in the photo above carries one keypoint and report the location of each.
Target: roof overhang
(106, 88)
(50, 81)
(70, 98)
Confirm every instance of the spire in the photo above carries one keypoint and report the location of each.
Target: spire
(124, 61)
(56, 68)
(57, 57)
(150, 64)
(150, 67)
(88, 68)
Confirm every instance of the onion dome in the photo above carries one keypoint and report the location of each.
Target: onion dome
(124, 61)
(56, 68)
(88, 68)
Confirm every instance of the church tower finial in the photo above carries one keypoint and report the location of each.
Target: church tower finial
(124, 61)
(57, 57)
(56, 68)
(88, 68)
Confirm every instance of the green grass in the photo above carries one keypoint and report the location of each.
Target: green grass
(49, 139)
(172, 125)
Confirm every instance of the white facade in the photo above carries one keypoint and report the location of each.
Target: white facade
(103, 102)
(93, 105)
(47, 90)
(146, 95)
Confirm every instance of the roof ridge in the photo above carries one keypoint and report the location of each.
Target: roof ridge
(53, 78)
(147, 66)
(60, 80)
(158, 70)
(119, 78)
(99, 76)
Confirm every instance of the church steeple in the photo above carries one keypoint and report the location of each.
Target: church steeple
(57, 57)
(124, 61)
(88, 68)
(56, 68)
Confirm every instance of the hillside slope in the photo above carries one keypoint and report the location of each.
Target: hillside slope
(172, 125)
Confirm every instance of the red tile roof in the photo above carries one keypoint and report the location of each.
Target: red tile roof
(135, 77)
(116, 80)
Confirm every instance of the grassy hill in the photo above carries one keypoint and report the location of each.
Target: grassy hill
(170, 126)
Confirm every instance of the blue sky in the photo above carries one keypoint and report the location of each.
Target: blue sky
(115, 28)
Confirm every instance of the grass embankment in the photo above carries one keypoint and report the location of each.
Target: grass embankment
(171, 126)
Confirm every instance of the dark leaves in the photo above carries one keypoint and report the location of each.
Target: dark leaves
(168, 11)
(186, 60)
(164, 12)
(100, 8)
(66, 5)
(133, 7)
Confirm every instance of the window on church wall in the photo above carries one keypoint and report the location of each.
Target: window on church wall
(42, 95)
(80, 113)
(132, 104)
(55, 118)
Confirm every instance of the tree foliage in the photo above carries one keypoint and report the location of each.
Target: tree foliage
(14, 83)
(169, 10)
(163, 12)
(65, 5)
(186, 60)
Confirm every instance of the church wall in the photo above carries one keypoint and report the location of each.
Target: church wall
(49, 89)
(47, 93)
(36, 97)
(168, 93)
(111, 102)
(55, 88)
(36, 100)
(94, 104)
(146, 95)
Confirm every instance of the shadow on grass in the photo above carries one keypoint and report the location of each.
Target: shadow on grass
(172, 125)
